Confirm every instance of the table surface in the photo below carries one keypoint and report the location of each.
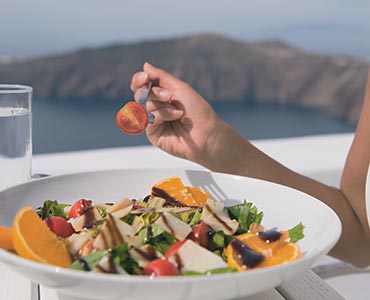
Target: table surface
(320, 157)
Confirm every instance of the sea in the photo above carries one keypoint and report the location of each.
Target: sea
(78, 125)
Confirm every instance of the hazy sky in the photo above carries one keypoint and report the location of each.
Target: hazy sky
(34, 27)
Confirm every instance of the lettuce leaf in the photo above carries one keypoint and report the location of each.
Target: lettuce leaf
(296, 233)
(246, 214)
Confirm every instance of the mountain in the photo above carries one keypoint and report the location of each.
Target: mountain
(221, 69)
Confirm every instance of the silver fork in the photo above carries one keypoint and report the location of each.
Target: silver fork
(205, 181)
(144, 97)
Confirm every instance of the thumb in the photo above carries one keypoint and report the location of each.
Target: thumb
(161, 77)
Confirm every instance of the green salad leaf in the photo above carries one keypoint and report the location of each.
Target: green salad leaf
(51, 208)
(296, 233)
(245, 213)
(157, 237)
(121, 257)
(90, 261)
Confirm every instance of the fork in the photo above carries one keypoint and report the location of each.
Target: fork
(144, 97)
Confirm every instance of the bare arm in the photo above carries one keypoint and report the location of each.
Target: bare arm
(186, 126)
(348, 201)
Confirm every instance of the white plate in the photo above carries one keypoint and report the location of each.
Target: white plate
(283, 208)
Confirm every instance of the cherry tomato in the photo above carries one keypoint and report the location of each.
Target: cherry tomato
(79, 207)
(200, 234)
(132, 118)
(160, 267)
(173, 249)
(59, 226)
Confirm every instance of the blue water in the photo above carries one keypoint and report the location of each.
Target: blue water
(67, 126)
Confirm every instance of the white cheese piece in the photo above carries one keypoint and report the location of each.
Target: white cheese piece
(76, 241)
(113, 233)
(179, 229)
(215, 215)
(91, 215)
(192, 257)
(124, 203)
(144, 255)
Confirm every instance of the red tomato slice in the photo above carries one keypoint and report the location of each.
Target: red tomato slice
(132, 118)
(173, 249)
(59, 226)
(160, 267)
(79, 207)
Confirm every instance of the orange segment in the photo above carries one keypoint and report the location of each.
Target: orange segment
(275, 253)
(6, 238)
(288, 252)
(34, 240)
(199, 195)
(173, 189)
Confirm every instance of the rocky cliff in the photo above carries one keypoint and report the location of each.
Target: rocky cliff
(221, 69)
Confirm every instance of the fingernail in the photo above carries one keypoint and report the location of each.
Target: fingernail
(164, 94)
(143, 76)
(148, 64)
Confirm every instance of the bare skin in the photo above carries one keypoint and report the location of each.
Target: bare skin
(186, 126)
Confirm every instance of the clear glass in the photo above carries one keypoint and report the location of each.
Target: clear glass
(15, 134)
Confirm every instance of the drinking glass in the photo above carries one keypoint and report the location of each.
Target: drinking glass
(15, 134)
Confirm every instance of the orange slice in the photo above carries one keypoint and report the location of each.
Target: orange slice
(287, 253)
(274, 253)
(173, 189)
(199, 195)
(34, 240)
(6, 238)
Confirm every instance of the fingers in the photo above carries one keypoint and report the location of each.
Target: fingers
(138, 80)
(161, 77)
(166, 114)
(156, 94)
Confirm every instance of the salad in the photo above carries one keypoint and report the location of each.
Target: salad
(175, 230)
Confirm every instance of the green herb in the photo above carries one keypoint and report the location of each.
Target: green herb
(89, 261)
(121, 257)
(296, 233)
(158, 238)
(246, 214)
(155, 231)
(51, 208)
(128, 219)
(196, 218)
(218, 240)
(149, 217)
(102, 211)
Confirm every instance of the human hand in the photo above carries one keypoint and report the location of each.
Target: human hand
(185, 123)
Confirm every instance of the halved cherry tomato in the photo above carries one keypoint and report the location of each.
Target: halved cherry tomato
(201, 234)
(160, 267)
(79, 207)
(173, 249)
(59, 226)
(132, 118)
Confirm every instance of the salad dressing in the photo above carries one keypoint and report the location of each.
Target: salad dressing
(246, 256)
(149, 253)
(111, 268)
(218, 219)
(165, 221)
(149, 233)
(84, 264)
(270, 236)
(89, 217)
(163, 194)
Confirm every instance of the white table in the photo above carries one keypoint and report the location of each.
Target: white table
(321, 157)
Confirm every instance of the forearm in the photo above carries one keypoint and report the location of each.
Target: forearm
(243, 158)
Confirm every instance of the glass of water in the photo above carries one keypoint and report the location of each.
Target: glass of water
(15, 134)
